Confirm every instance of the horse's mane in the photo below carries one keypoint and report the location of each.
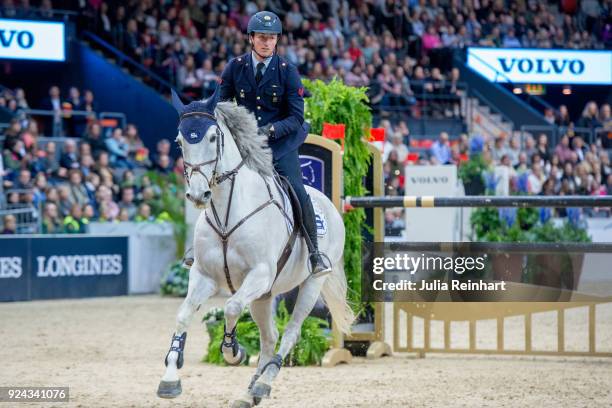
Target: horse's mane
(243, 127)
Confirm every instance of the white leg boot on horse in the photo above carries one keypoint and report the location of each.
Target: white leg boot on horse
(200, 288)
(268, 371)
(256, 283)
(263, 314)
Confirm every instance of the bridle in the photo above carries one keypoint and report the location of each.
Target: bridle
(189, 169)
(222, 229)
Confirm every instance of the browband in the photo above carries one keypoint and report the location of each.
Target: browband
(189, 114)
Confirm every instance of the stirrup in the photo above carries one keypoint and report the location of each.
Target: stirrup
(321, 265)
(187, 263)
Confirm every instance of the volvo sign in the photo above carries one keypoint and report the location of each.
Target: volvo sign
(32, 40)
(542, 66)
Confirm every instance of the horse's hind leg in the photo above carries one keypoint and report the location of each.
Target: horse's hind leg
(200, 288)
(309, 293)
(263, 314)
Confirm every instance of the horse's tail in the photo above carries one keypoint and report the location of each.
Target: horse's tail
(334, 294)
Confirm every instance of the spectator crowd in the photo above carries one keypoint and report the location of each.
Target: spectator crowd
(402, 51)
(100, 176)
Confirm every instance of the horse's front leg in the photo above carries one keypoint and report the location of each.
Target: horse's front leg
(256, 283)
(201, 287)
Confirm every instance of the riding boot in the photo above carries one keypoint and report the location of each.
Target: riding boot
(317, 262)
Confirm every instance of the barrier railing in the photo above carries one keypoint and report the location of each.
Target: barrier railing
(479, 201)
(27, 216)
(59, 117)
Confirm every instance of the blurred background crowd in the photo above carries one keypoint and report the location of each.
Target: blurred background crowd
(400, 50)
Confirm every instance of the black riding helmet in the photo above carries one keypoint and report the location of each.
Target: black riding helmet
(265, 22)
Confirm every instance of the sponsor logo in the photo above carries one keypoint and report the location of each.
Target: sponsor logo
(23, 39)
(78, 265)
(542, 66)
(429, 180)
(10, 267)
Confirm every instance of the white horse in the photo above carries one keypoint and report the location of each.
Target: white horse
(228, 169)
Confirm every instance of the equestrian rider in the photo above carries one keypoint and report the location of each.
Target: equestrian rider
(271, 88)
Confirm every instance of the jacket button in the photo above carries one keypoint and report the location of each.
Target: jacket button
(258, 107)
(259, 118)
(259, 97)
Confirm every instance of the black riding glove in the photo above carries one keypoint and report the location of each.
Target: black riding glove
(267, 131)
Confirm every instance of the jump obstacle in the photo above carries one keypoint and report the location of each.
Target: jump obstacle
(416, 324)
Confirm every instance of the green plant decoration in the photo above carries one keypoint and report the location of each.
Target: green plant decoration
(171, 206)
(175, 281)
(309, 350)
(337, 103)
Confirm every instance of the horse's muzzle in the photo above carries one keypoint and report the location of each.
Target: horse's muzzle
(200, 200)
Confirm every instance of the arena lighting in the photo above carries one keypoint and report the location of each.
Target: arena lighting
(517, 90)
(567, 90)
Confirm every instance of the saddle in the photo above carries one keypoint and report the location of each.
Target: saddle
(285, 190)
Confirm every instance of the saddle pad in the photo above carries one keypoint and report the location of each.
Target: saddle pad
(320, 220)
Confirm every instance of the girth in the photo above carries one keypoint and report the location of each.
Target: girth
(222, 231)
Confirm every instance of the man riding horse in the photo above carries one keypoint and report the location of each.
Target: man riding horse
(270, 87)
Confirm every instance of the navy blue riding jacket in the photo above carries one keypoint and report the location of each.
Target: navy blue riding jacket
(277, 99)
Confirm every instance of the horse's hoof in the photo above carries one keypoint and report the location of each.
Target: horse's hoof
(256, 401)
(261, 390)
(241, 404)
(169, 389)
(239, 359)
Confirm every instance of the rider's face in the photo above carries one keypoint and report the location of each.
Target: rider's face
(264, 44)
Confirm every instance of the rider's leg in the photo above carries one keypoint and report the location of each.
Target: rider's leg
(289, 167)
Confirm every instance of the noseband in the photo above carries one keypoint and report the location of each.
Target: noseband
(190, 169)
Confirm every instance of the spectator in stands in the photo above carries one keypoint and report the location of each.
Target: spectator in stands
(530, 146)
(499, 148)
(144, 213)
(589, 116)
(542, 148)
(579, 148)
(398, 146)
(9, 225)
(440, 149)
(119, 150)
(40, 186)
(53, 125)
(78, 191)
(64, 200)
(138, 153)
(563, 149)
(51, 223)
(69, 159)
(535, 179)
(163, 149)
(108, 209)
(549, 116)
(73, 222)
(75, 124)
(563, 118)
(188, 80)
(24, 180)
(127, 202)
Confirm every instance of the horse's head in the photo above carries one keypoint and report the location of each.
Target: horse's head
(202, 142)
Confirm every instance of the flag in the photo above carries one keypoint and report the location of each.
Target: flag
(377, 138)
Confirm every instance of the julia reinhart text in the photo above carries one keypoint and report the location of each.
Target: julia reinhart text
(438, 285)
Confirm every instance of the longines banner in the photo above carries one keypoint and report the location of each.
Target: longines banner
(32, 40)
(54, 268)
(541, 66)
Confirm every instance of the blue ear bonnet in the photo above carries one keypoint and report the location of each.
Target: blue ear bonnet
(195, 118)
(193, 128)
